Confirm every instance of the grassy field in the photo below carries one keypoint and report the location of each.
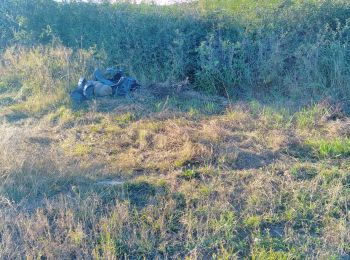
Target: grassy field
(236, 146)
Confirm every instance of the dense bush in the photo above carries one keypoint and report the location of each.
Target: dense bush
(239, 48)
(152, 43)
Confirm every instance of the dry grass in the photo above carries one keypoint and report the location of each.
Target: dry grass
(195, 176)
(239, 183)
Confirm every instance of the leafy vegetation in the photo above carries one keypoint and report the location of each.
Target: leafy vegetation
(242, 49)
(331, 148)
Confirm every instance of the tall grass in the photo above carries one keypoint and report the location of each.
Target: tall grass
(296, 49)
(39, 78)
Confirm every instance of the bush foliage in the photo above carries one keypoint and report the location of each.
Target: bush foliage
(298, 49)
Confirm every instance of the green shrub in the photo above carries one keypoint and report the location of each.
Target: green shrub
(244, 49)
(189, 174)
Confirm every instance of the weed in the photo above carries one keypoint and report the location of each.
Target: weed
(193, 112)
(253, 221)
(124, 119)
(338, 147)
(303, 171)
(62, 116)
(82, 149)
(270, 254)
(189, 174)
(309, 117)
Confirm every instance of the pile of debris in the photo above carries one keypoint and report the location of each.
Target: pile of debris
(112, 82)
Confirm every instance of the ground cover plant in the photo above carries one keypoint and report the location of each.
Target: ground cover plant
(235, 146)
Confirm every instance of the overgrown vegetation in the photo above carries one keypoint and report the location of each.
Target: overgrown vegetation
(249, 159)
(249, 49)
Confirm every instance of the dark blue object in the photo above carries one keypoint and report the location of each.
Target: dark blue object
(125, 85)
(112, 77)
(77, 95)
(98, 76)
(114, 74)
